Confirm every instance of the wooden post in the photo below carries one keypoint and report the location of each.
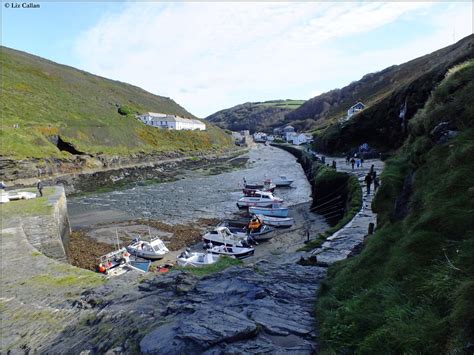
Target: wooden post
(371, 228)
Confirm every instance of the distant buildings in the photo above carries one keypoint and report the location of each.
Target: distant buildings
(173, 122)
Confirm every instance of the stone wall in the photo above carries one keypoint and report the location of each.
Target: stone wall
(50, 233)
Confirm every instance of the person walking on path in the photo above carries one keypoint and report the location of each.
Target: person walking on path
(358, 162)
(334, 164)
(39, 186)
(361, 161)
(368, 181)
(352, 163)
(348, 158)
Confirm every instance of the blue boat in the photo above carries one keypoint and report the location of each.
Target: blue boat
(274, 211)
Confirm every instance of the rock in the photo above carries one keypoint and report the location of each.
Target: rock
(198, 332)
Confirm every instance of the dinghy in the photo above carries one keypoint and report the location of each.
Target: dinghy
(155, 249)
(237, 252)
(187, 258)
(273, 211)
(223, 236)
(255, 228)
(277, 221)
(267, 185)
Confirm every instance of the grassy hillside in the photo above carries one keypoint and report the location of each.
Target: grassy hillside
(383, 93)
(411, 290)
(255, 116)
(95, 114)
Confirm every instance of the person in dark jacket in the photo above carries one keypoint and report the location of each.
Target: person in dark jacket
(39, 186)
(368, 181)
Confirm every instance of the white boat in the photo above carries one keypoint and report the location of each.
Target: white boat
(237, 252)
(260, 199)
(187, 258)
(17, 195)
(154, 249)
(277, 221)
(282, 181)
(258, 233)
(273, 211)
(223, 236)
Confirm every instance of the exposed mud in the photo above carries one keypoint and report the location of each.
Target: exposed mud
(87, 246)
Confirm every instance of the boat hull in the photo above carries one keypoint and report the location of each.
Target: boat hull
(145, 255)
(281, 222)
(273, 212)
(239, 255)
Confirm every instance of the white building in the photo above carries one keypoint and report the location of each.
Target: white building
(302, 139)
(354, 109)
(162, 120)
(290, 135)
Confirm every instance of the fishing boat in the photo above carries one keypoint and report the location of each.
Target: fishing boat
(223, 236)
(277, 221)
(259, 199)
(237, 252)
(113, 261)
(243, 227)
(187, 258)
(283, 181)
(273, 211)
(154, 249)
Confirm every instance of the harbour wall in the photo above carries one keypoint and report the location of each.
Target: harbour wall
(331, 190)
(49, 233)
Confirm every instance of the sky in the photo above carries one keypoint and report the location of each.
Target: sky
(214, 55)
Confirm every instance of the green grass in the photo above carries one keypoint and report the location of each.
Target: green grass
(46, 99)
(23, 208)
(411, 288)
(223, 263)
(289, 104)
(63, 276)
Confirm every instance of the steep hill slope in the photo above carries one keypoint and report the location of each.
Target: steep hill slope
(383, 93)
(42, 100)
(411, 290)
(254, 116)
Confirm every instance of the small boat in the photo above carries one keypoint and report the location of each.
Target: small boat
(283, 181)
(260, 199)
(277, 221)
(155, 249)
(266, 186)
(114, 260)
(258, 232)
(273, 211)
(252, 192)
(223, 236)
(140, 264)
(237, 252)
(187, 258)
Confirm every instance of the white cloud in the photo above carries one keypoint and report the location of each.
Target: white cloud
(208, 56)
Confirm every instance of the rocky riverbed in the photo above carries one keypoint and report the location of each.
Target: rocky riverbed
(261, 308)
(180, 211)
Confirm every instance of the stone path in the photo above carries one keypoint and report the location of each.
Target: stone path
(339, 245)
